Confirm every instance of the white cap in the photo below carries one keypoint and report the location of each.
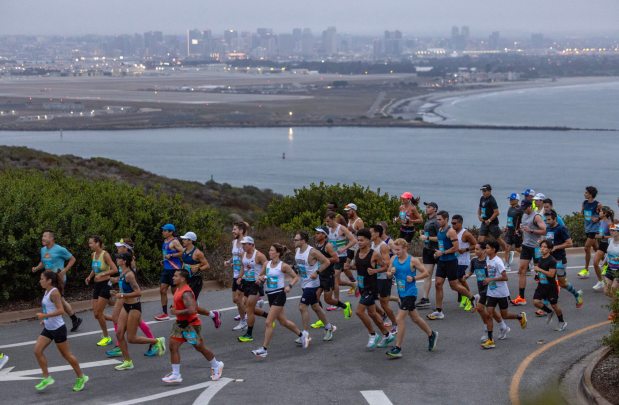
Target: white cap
(191, 236)
(539, 196)
(350, 206)
(248, 240)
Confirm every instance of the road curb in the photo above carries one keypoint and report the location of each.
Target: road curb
(586, 385)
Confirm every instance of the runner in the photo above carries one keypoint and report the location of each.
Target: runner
(239, 230)
(339, 218)
(172, 252)
(408, 216)
(102, 268)
(498, 292)
(407, 270)
(342, 240)
(466, 243)
(488, 214)
(447, 267)
(310, 264)
(532, 228)
(54, 330)
(354, 224)
(528, 195)
(511, 235)
(538, 203)
(54, 257)
(607, 218)
(367, 263)
(252, 261)
(548, 206)
(383, 282)
(187, 329)
(274, 275)
(131, 314)
(327, 277)
(430, 244)
(612, 274)
(547, 289)
(195, 263)
(590, 210)
(561, 240)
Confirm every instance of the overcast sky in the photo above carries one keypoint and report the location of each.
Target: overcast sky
(413, 17)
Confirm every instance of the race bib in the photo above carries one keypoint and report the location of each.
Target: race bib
(401, 285)
(538, 252)
(302, 271)
(510, 222)
(441, 245)
(360, 282)
(272, 282)
(587, 214)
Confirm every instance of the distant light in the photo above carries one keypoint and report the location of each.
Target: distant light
(290, 113)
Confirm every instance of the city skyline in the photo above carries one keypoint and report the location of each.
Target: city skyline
(413, 17)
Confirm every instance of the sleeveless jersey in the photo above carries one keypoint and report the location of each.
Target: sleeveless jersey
(124, 286)
(383, 275)
(275, 277)
(329, 270)
(464, 259)
(173, 263)
(237, 254)
(306, 269)
(252, 269)
(530, 239)
(54, 322)
(589, 210)
(98, 263)
(338, 241)
(365, 282)
(402, 271)
(188, 260)
(444, 243)
(193, 319)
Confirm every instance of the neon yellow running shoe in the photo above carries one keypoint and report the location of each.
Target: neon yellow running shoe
(463, 300)
(125, 365)
(80, 382)
(604, 269)
(105, 340)
(347, 310)
(44, 383)
(318, 324)
(584, 273)
(468, 306)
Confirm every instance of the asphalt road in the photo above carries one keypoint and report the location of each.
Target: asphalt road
(335, 372)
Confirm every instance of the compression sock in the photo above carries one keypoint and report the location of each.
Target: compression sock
(560, 318)
(146, 330)
(340, 304)
(521, 292)
(546, 309)
(572, 290)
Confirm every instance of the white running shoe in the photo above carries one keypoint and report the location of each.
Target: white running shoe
(305, 339)
(503, 333)
(435, 315)
(217, 371)
(260, 303)
(237, 318)
(329, 333)
(373, 341)
(511, 258)
(561, 327)
(598, 286)
(260, 352)
(242, 325)
(172, 379)
(298, 341)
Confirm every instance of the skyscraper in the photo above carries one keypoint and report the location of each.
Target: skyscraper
(329, 41)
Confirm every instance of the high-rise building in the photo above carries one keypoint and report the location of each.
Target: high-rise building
(392, 43)
(537, 41)
(494, 41)
(329, 41)
(194, 42)
(231, 38)
(285, 45)
(307, 44)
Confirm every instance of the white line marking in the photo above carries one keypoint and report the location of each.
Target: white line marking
(376, 398)
(208, 394)
(211, 386)
(9, 375)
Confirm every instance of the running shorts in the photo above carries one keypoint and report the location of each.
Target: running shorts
(101, 289)
(129, 307)
(483, 298)
(235, 286)
(367, 299)
(309, 296)
(512, 238)
(407, 233)
(166, 277)
(196, 282)
(384, 287)
(178, 330)
(502, 302)
(428, 256)
(603, 246)
(447, 269)
(462, 271)
(327, 282)
(57, 335)
(492, 229)
(591, 235)
(527, 253)
(251, 288)
(547, 292)
(408, 303)
(277, 298)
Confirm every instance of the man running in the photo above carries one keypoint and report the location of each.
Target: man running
(447, 267)
(59, 260)
(466, 243)
(591, 213)
(528, 195)
(547, 289)
(253, 262)
(383, 282)
(430, 244)
(354, 224)
(512, 236)
(488, 214)
(342, 240)
(187, 329)
(533, 228)
(548, 206)
(408, 216)
(172, 251)
(239, 230)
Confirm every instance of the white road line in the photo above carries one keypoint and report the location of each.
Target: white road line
(208, 394)
(9, 375)
(376, 398)
(212, 387)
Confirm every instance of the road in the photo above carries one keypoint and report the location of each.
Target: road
(338, 372)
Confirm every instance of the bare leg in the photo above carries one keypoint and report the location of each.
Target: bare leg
(133, 319)
(64, 350)
(97, 307)
(428, 281)
(378, 321)
(384, 304)
(39, 348)
(438, 284)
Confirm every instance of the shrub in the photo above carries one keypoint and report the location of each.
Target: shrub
(612, 340)
(575, 223)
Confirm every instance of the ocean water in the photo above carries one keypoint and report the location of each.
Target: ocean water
(443, 165)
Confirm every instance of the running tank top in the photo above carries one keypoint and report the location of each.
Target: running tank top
(306, 269)
(403, 270)
(464, 259)
(98, 263)
(338, 241)
(613, 254)
(124, 286)
(173, 263)
(589, 210)
(366, 282)
(275, 277)
(193, 319)
(530, 239)
(188, 260)
(604, 230)
(237, 254)
(54, 322)
(323, 249)
(383, 275)
(252, 269)
(444, 243)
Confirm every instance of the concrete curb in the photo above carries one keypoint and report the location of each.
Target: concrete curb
(586, 386)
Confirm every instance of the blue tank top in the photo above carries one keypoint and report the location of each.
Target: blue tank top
(444, 243)
(589, 210)
(188, 260)
(402, 270)
(125, 287)
(173, 263)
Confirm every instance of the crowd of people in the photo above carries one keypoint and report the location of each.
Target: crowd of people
(371, 261)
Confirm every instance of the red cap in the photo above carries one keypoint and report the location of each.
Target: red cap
(407, 195)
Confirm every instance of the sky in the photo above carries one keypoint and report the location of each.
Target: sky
(412, 17)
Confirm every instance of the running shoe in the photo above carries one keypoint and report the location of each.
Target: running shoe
(242, 325)
(394, 329)
(436, 315)
(318, 324)
(432, 339)
(519, 301)
(612, 316)
(260, 352)
(160, 346)
(549, 317)
(604, 269)
(105, 340)
(463, 300)
(561, 327)
(424, 302)
(217, 371)
(80, 382)
(469, 305)
(386, 321)
(579, 300)
(352, 291)
(523, 320)
(151, 352)
(598, 286)
(332, 308)
(488, 344)
(260, 303)
(44, 383)
(394, 353)
(329, 333)
(298, 341)
(540, 314)
(484, 337)
(246, 338)
(162, 317)
(511, 258)
(237, 318)
(584, 273)
(115, 352)
(386, 340)
(172, 379)
(503, 333)
(76, 324)
(305, 339)
(125, 365)
(3, 360)
(373, 341)
(216, 319)
(347, 310)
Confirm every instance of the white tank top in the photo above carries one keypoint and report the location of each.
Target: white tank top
(306, 269)
(464, 259)
(338, 241)
(252, 269)
(237, 253)
(275, 277)
(54, 322)
(383, 275)
(613, 254)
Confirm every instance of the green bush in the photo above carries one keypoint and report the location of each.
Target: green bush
(75, 209)
(575, 223)
(612, 340)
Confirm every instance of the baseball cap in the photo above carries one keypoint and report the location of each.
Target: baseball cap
(513, 196)
(526, 203)
(191, 236)
(168, 227)
(486, 187)
(614, 227)
(122, 243)
(539, 196)
(431, 204)
(247, 239)
(322, 229)
(350, 206)
(407, 195)
(528, 192)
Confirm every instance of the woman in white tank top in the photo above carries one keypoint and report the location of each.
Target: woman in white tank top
(54, 330)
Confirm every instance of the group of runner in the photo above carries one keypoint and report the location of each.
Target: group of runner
(341, 245)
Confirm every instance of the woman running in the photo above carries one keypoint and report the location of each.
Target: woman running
(54, 330)
(131, 313)
(408, 216)
(102, 268)
(612, 273)
(274, 277)
(253, 262)
(607, 218)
